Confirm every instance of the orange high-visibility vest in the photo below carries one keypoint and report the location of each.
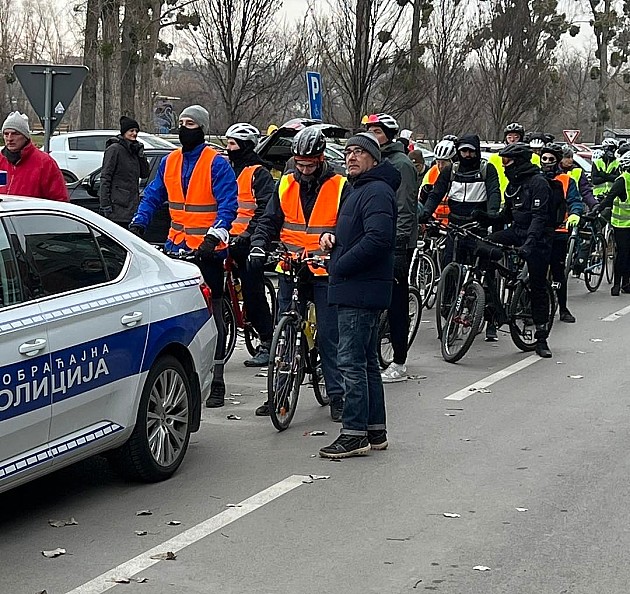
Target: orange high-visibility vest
(193, 214)
(246, 200)
(565, 180)
(300, 238)
(442, 210)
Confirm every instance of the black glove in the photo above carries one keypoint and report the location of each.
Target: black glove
(106, 211)
(256, 259)
(207, 247)
(239, 247)
(481, 216)
(424, 218)
(137, 229)
(401, 266)
(525, 251)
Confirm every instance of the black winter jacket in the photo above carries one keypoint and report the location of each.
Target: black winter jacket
(362, 262)
(124, 164)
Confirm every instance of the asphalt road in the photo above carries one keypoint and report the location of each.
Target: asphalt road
(536, 471)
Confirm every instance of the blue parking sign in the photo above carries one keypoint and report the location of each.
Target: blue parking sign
(314, 86)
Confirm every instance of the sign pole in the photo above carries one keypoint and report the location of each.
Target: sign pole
(48, 73)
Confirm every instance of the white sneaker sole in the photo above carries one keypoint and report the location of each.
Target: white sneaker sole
(393, 380)
(357, 452)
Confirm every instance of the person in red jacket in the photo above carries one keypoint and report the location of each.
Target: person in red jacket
(30, 172)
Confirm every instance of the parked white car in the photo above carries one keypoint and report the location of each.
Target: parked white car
(106, 345)
(79, 153)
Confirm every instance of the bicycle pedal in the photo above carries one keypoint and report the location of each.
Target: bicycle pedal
(556, 285)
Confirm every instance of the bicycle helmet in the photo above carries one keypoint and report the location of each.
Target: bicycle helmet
(555, 149)
(450, 137)
(406, 134)
(609, 143)
(445, 150)
(514, 127)
(518, 151)
(243, 131)
(383, 119)
(309, 142)
(536, 143)
(567, 151)
(597, 154)
(622, 150)
(624, 161)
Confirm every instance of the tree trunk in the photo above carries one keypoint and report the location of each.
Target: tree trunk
(110, 56)
(361, 58)
(129, 56)
(90, 59)
(149, 49)
(415, 35)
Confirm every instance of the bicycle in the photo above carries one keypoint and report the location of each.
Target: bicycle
(586, 252)
(293, 352)
(235, 314)
(462, 304)
(426, 265)
(611, 248)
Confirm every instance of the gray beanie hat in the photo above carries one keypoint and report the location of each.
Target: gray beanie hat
(367, 141)
(19, 122)
(199, 115)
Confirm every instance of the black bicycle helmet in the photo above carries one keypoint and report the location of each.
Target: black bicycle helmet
(555, 149)
(309, 142)
(518, 151)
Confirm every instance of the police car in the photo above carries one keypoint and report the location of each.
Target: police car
(106, 345)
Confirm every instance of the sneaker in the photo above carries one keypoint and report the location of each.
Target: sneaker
(217, 395)
(394, 373)
(491, 333)
(614, 290)
(567, 316)
(336, 410)
(263, 410)
(260, 359)
(378, 439)
(346, 446)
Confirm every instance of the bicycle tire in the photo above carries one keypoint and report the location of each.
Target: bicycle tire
(415, 314)
(524, 338)
(447, 290)
(466, 313)
(611, 252)
(568, 260)
(284, 362)
(425, 278)
(594, 271)
(252, 339)
(317, 377)
(385, 349)
(229, 321)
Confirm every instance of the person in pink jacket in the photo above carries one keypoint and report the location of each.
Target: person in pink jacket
(30, 172)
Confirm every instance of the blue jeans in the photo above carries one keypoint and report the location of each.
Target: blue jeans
(357, 360)
(327, 331)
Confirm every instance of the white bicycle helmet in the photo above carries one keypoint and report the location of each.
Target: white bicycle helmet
(536, 143)
(450, 137)
(609, 143)
(597, 154)
(624, 161)
(406, 134)
(383, 119)
(243, 131)
(445, 150)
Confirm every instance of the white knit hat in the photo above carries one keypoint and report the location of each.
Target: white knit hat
(19, 122)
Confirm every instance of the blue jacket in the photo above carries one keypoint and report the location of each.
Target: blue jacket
(224, 188)
(361, 264)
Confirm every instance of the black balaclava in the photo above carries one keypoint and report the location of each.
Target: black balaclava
(469, 163)
(190, 138)
(238, 156)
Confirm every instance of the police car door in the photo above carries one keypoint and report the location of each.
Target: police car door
(97, 332)
(25, 402)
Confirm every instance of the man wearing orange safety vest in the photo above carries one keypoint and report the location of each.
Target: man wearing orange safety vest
(304, 206)
(445, 152)
(200, 189)
(255, 188)
(570, 208)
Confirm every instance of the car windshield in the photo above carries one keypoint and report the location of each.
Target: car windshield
(156, 142)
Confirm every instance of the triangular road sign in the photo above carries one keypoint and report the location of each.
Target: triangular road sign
(571, 135)
(66, 81)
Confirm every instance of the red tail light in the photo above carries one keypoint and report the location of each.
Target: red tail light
(207, 295)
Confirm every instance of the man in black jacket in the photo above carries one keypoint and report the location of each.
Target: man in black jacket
(124, 164)
(361, 280)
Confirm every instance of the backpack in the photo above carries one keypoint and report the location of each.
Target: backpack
(558, 206)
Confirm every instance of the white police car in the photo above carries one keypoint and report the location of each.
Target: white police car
(105, 345)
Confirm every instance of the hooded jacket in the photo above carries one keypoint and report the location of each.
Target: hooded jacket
(124, 164)
(407, 194)
(361, 265)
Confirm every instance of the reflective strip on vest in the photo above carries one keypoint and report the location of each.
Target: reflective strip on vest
(620, 216)
(246, 200)
(194, 213)
(298, 237)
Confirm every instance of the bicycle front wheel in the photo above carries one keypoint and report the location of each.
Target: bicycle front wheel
(568, 260)
(285, 372)
(229, 322)
(415, 314)
(463, 322)
(425, 278)
(596, 264)
(611, 252)
(447, 291)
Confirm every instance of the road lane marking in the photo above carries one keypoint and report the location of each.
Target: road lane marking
(618, 314)
(142, 562)
(493, 379)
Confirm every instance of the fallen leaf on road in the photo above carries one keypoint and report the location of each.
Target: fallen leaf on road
(449, 415)
(521, 509)
(173, 523)
(140, 532)
(417, 377)
(125, 580)
(144, 512)
(233, 418)
(480, 390)
(263, 391)
(581, 352)
(61, 523)
(596, 340)
(451, 515)
(42, 592)
(54, 553)
(481, 568)
(233, 505)
(575, 376)
(315, 477)
(260, 375)
(168, 556)
(314, 433)
(235, 394)
(559, 362)
(236, 402)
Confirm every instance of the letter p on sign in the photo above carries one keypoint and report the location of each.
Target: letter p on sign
(314, 87)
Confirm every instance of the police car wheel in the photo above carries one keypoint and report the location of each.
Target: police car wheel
(160, 438)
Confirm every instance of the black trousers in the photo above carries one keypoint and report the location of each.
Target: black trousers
(398, 314)
(558, 256)
(622, 259)
(538, 265)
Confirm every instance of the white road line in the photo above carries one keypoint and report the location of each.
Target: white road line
(615, 316)
(493, 379)
(142, 562)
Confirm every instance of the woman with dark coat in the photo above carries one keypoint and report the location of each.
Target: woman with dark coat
(124, 164)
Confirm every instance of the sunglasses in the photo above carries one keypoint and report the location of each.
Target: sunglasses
(548, 160)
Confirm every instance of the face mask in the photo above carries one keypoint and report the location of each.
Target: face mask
(190, 138)
(235, 155)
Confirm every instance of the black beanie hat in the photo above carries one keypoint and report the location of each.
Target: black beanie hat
(127, 124)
